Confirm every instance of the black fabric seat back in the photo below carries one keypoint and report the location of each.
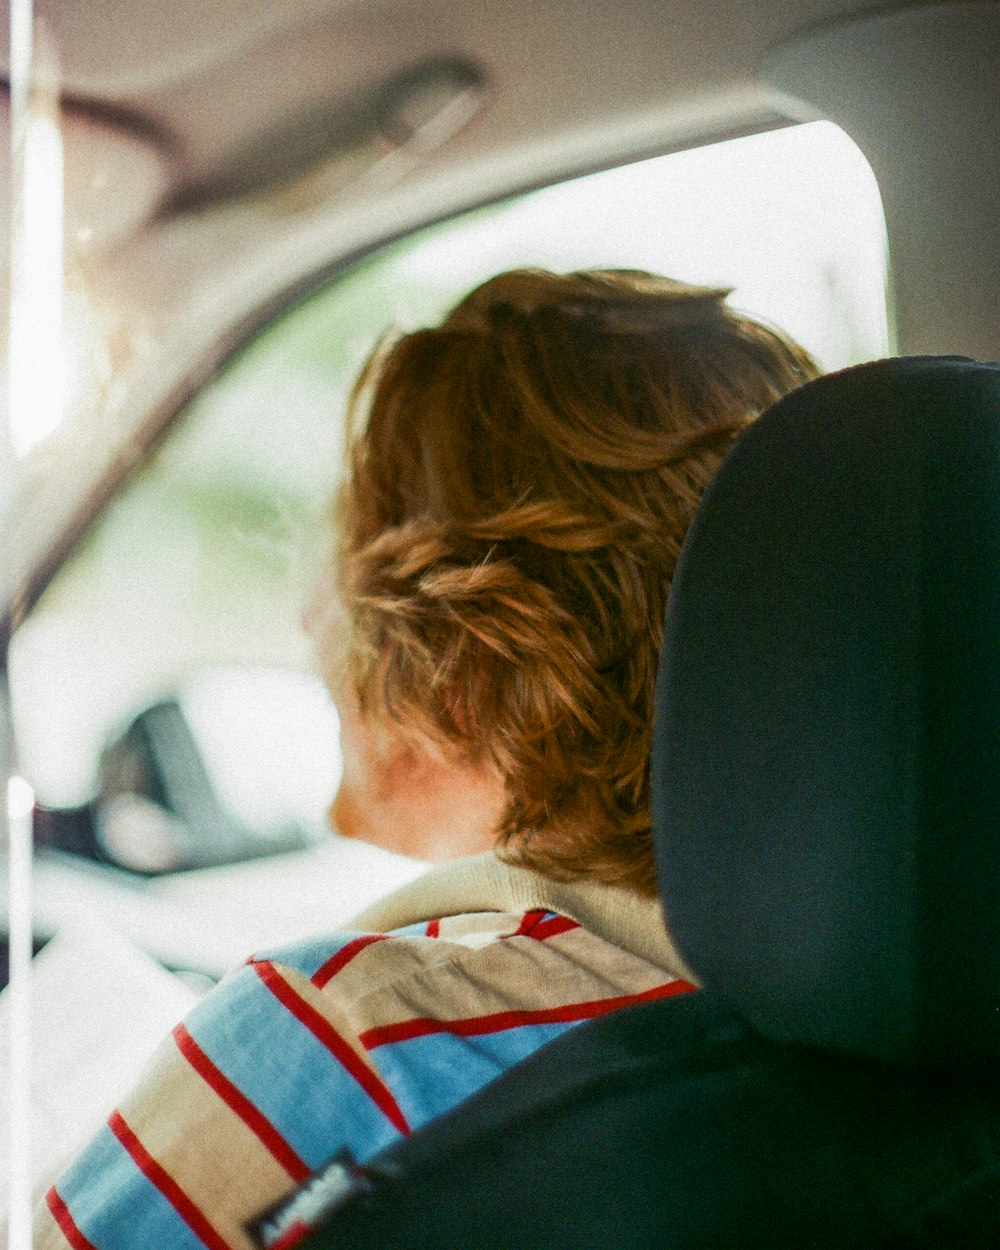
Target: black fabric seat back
(826, 773)
(827, 790)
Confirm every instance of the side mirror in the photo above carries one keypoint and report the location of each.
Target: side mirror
(237, 764)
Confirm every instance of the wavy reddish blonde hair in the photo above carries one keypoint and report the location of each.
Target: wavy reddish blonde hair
(519, 483)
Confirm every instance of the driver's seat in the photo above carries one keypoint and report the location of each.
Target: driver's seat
(826, 774)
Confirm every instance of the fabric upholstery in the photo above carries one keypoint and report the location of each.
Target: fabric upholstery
(674, 1126)
(826, 768)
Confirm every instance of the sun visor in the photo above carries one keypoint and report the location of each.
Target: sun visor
(114, 175)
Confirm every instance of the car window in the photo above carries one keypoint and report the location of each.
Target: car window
(165, 670)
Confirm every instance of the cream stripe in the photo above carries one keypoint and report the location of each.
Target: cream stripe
(208, 1150)
(513, 974)
(47, 1234)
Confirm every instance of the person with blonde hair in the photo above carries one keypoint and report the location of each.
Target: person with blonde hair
(519, 481)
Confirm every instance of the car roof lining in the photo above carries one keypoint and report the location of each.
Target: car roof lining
(198, 284)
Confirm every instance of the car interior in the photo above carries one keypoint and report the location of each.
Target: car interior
(239, 200)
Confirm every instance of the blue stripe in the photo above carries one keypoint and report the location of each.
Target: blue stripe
(286, 1072)
(429, 1075)
(115, 1206)
(412, 930)
(310, 955)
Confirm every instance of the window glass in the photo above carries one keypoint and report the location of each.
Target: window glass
(196, 575)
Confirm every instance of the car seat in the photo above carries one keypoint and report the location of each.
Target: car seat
(826, 778)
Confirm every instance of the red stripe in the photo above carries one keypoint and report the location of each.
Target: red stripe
(551, 927)
(237, 1101)
(67, 1225)
(433, 928)
(165, 1183)
(323, 1030)
(528, 922)
(496, 1023)
(344, 956)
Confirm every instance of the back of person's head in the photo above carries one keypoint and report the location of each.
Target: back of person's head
(519, 483)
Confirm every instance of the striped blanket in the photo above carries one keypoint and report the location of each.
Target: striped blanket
(346, 1041)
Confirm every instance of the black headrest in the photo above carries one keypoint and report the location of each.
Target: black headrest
(826, 762)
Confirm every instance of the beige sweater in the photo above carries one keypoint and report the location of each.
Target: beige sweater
(481, 883)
